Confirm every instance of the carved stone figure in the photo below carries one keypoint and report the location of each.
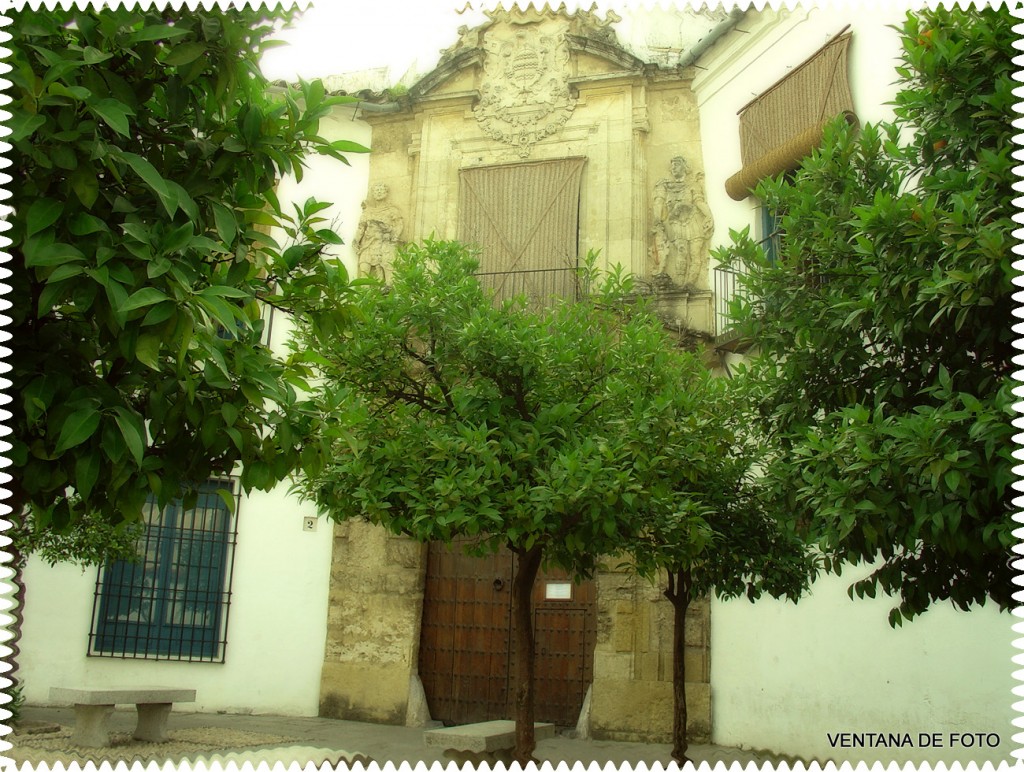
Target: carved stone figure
(378, 234)
(682, 228)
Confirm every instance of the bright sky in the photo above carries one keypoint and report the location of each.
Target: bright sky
(339, 36)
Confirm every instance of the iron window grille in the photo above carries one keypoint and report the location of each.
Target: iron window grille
(771, 234)
(173, 602)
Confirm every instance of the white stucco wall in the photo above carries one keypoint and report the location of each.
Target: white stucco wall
(784, 677)
(276, 625)
(277, 622)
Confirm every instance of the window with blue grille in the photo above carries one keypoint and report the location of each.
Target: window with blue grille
(171, 603)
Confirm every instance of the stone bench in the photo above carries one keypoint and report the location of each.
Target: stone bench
(490, 741)
(93, 707)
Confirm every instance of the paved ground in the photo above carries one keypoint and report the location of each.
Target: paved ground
(395, 743)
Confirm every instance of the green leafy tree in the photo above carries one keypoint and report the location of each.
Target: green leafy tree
(447, 415)
(884, 328)
(715, 535)
(146, 150)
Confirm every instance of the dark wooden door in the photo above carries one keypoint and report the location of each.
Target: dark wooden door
(464, 637)
(564, 620)
(465, 659)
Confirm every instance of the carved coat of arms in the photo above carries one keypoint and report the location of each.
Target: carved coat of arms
(525, 94)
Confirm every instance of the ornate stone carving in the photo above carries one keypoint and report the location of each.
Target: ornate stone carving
(681, 234)
(524, 96)
(378, 234)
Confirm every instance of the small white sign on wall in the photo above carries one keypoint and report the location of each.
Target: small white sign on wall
(558, 591)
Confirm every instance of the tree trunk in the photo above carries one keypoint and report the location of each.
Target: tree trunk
(522, 613)
(678, 593)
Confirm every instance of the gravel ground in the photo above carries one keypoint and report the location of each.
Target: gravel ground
(34, 746)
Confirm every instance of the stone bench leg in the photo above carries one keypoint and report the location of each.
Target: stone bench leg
(152, 724)
(91, 725)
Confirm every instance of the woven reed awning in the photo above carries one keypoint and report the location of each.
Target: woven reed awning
(786, 122)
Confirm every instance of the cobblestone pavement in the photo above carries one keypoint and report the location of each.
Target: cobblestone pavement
(308, 739)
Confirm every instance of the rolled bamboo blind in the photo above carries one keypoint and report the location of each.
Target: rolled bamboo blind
(785, 123)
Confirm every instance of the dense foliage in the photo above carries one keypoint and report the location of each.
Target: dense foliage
(884, 326)
(146, 152)
(452, 415)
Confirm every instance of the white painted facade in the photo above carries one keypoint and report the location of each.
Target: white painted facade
(785, 677)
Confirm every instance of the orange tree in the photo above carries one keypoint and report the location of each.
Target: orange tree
(884, 327)
(718, 535)
(449, 415)
(146, 150)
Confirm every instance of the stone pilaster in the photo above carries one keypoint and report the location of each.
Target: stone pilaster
(373, 624)
(632, 690)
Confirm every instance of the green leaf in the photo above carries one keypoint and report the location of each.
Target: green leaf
(152, 178)
(24, 126)
(294, 255)
(228, 498)
(178, 239)
(85, 185)
(43, 213)
(230, 413)
(62, 272)
(133, 430)
(225, 291)
(184, 54)
(87, 472)
(117, 295)
(347, 146)
(223, 314)
(78, 427)
(315, 93)
(147, 350)
(83, 224)
(224, 219)
(141, 298)
(94, 56)
(329, 236)
(183, 200)
(114, 114)
(159, 313)
(77, 93)
(45, 256)
(158, 32)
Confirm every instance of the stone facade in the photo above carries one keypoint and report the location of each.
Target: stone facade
(532, 86)
(373, 625)
(632, 692)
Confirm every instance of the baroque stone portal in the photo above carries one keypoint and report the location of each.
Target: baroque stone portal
(379, 233)
(681, 235)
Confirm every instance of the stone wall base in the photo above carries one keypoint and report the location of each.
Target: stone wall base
(364, 692)
(642, 711)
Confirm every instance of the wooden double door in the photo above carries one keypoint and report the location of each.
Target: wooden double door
(466, 658)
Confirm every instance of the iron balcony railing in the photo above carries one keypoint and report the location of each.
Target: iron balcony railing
(539, 286)
(727, 289)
